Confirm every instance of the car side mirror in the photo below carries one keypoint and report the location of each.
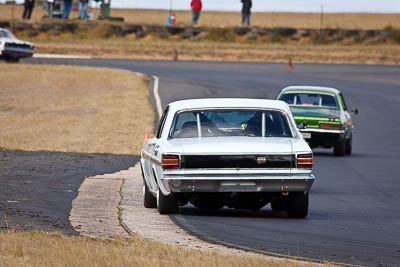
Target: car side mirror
(355, 111)
(302, 125)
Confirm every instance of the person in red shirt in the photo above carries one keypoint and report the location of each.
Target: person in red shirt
(196, 6)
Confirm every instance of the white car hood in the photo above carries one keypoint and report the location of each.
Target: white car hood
(233, 145)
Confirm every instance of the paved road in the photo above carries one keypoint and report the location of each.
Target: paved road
(36, 188)
(354, 211)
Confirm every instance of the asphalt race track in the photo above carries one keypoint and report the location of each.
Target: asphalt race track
(354, 213)
(37, 188)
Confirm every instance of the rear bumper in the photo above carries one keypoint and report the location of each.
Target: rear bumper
(320, 137)
(237, 184)
(17, 53)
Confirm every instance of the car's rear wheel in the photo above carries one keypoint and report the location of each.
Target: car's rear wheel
(149, 201)
(349, 145)
(12, 60)
(340, 147)
(297, 204)
(166, 204)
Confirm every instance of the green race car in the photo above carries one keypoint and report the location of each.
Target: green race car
(322, 116)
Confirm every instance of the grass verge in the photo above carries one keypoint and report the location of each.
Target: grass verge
(220, 51)
(53, 249)
(73, 109)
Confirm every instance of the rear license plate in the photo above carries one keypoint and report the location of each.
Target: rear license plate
(238, 186)
(306, 135)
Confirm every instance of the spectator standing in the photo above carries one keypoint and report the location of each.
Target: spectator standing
(50, 7)
(246, 12)
(196, 6)
(67, 6)
(83, 9)
(28, 8)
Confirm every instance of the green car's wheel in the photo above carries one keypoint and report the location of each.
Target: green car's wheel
(297, 204)
(349, 145)
(340, 147)
(166, 204)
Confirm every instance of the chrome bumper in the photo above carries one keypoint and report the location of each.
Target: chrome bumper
(311, 130)
(203, 184)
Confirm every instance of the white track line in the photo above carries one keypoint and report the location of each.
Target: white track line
(60, 56)
(157, 96)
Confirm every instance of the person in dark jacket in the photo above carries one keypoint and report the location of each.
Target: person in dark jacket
(196, 6)
(28, 8)
(67, 6)
(246, 12)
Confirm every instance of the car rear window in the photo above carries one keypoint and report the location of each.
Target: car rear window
(309, 99)
(217, 123)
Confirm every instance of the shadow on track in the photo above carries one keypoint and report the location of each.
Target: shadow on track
(265, 212)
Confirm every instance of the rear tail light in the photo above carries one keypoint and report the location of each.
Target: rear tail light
(170, 162)
(330, 126)
(305, 161)
(331, 118)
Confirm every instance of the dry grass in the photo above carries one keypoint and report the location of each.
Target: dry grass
(226, 19)
(187, 50)
(52, 249)
(265, 19)
(73, 109)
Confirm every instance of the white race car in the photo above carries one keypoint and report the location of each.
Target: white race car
(239, 153)
(12, 49)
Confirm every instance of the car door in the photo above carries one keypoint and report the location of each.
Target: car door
(347, 122)
(154, 150)
(147, 163)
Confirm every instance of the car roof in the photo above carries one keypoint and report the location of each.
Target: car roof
(317, 89)
(208, 103)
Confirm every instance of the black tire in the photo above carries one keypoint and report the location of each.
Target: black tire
(149, 201)
(12, 60)
(297, 204)
(340, 147)
(349, 145)
(166, 204)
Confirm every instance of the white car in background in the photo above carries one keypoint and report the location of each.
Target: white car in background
(239, 153)
(12, 49)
